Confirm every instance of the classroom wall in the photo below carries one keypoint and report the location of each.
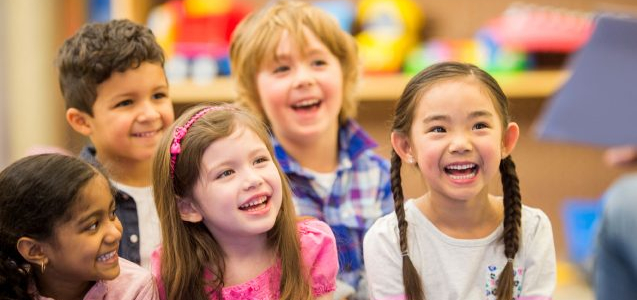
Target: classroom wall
(4, 130)
(31, 105)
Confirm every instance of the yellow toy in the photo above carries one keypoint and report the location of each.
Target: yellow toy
(389, 29)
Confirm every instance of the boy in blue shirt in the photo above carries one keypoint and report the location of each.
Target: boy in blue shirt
(116, 93)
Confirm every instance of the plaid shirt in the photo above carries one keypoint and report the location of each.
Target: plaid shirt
(360, 194)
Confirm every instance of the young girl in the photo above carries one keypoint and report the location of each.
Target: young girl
(229, 228)
(59, 234)
(298, 70)
(457, 241)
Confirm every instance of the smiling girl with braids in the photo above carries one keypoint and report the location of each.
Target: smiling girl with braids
(457, 241)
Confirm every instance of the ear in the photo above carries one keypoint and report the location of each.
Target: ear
(32, 250)
(510, 139)
(188, 210)
(79, 121)
(402, 146)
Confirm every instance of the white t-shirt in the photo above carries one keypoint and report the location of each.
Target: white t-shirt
(322, 183)
(453, 268)
(148, 220)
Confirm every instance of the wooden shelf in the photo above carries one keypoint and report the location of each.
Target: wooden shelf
(532, 84)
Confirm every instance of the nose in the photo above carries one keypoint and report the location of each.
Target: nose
(304, 77)
(252, 180)
(460, 143)
(113, 231)
(149, 112)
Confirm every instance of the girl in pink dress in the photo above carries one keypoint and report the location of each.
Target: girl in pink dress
(229, 228)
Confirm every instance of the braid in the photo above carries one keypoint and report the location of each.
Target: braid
(14, 279)
(411, 278)
(512, 223)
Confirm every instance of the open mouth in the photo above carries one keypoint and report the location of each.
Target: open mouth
(461, 171)
(145, 134)
(107, 256)
(255, 205)
(307, 105)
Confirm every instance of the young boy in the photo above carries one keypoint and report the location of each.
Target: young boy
(116, 93)
(297, 70)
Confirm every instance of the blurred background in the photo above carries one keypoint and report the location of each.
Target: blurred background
(525, 45)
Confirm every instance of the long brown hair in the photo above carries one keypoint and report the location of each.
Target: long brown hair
(189, 248)
(403, 120)
(255, 40)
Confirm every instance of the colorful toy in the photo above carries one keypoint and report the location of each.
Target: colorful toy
(534, 28)
(389, 29)
(196, 36)
(480, 51)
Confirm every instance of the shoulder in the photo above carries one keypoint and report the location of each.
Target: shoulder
(317, 241)
(313, 232)
(384, 228)
(133, 282)
(318, 251)
(533, 215)
(624, 189)
(534, 221)
(131, 272)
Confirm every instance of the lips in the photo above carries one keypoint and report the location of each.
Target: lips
(145, 134)
(255, 204)
(461, 171)
(106, 257)
(306, 104)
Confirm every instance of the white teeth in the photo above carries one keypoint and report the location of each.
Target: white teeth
(144, 134)
(255, 202)
(461, 167)
(306, 103)
(106, 256)
(462, 177)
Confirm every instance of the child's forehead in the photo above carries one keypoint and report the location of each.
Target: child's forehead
(303, 42)
(95, 193)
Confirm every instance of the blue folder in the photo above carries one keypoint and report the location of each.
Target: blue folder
(598, 104)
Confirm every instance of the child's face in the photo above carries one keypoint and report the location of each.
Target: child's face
(457, 139)
(85, 247)
(301, 93)
(131, 113)
(239, 190)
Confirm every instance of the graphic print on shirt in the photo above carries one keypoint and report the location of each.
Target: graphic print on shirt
(492, 282)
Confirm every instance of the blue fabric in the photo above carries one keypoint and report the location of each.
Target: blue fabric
(360, 194)
(615, 271)
(126, 211)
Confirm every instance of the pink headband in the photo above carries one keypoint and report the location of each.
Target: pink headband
(180, 132)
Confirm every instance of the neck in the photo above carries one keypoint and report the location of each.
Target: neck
(56, 288)
(246, 258)
(463, 219)
(131, 173)
(319, 153)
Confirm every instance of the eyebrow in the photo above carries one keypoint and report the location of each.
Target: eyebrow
(480, 113)
(96, 213)
(472, 115)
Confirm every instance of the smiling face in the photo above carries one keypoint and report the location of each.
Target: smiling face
(85, 247)
(301, 92)
(457, 139)
(239, 193)
(130, 114)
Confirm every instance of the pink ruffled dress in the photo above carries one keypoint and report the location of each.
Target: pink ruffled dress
(318, 250)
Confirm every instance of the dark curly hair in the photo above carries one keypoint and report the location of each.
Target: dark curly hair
(95, 51)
